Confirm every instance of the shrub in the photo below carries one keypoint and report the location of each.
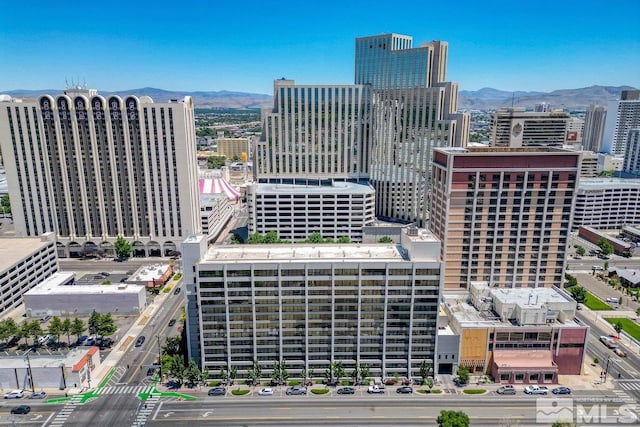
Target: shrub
(432, 391)
(474, 391)
(319, 390)
(215, 383)
(294, 383)
(240, 392)
(177, 276)
(166, 290)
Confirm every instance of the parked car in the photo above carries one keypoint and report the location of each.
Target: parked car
(267, 391)
(45, 319)
(404, 389)
(346, 390)
(177, 291)
(90, 341)
(140, 340)
(296, 390)
(375, 389)
(38, 395)
(217, 391)
(612, 299)
(81, 339)
(22, 409)
(15, 394)
(151, 371)
(43, 339)
(172, 322)
(561, 390)
(506, 389)
(535, 389)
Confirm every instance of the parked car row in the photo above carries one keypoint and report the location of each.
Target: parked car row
(19, 394)
(533, 389)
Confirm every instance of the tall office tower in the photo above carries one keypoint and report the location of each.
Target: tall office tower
(594, 128)
(413, 110)
(622, 116)
(542, 107)
(314, 133)
(515, 127)
(503, 214)
(632, 153)
(92, 168)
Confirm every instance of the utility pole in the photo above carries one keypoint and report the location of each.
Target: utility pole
(33, 390)
(159, 356)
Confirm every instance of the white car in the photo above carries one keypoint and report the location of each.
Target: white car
(15, 394)
(267, 391)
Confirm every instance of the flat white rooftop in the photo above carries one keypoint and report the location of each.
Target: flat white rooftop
(61, 284)
(148, 273)
(303, 253)
(14, 249)
(70, 359)
(527, 296)
(337, 188)
(607, 183)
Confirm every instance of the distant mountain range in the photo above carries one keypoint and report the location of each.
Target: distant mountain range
(570, 99)
(483, 99)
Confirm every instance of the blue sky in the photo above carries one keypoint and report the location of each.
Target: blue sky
(245, 45)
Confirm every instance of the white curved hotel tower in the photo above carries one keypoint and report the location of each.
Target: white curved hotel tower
(91, 168)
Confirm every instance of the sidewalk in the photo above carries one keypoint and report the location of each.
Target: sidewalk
(128, 338)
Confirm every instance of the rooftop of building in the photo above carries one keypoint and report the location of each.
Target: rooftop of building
(15, 249)
(628, 274)
(527, 296)
(147, 273)
(303, 253)
(64, 283)
(506, 150)
(337, 187)
(72, 358)
(522, 359)
(607, 183)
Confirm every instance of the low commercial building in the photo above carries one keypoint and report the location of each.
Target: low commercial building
(294, 211)
(40, 372)
(24, 262)
(60, 296)
(311, 305)
(594, 236)
(517, 335)
(153, 275)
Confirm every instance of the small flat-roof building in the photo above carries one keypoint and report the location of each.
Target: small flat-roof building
(60, 296)
(24, 262)
(60, 372)
(152, 275)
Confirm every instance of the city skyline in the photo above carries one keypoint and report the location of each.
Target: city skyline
(199, 47)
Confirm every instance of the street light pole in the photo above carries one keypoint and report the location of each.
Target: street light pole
(159, 356)
(606, 369)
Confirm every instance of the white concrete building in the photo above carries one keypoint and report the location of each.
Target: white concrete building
(60, 296)
(24, 262)
(515, 127)
(295, 211)
(606, 203)
(622, 116)
(91, 168)
(589, 165)
(311, 305)
(215, 213)
(632, 153)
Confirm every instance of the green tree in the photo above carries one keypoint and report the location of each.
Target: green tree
(224, 375)
(94, 323)
(365, 371)
(580, 251)
(385, 239)
(176, 368)
(233, 373)
(172, 346)
(107, 326)
(78, 327)
(66, 329)
(8, 329)
(563, 424)
(192, 373)
(255, 373)
(453, 419)
(122, 247)
(31, 329)
(338, 370)
(618, 326)
(344, 239)
(430, 384)
(256, 238)
(271, 237)
(235, 239)
(55, 327)
(570, 281)
(5, 204)
(463, 374)
(578, 293)
(425, 370)
(314, 237)
(216, 162)
(275, 372)
(605, 247)
(606, 266)
(638, 311)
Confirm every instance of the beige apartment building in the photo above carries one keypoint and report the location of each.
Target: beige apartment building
(515, 127)
(233, 147)
(503, 214)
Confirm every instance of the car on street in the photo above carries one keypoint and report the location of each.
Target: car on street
(140, 340)
(620, 352)
(38, 395)
(506, 389)
(267, 391)
(45, 319)
(404, 389)
(177, 291)
(561, 390)
(15, 394)
(296, 390)
(346, 390)
(217, 391)
(22, 409)
(536, 389)
(375, 389)
(172, 322)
